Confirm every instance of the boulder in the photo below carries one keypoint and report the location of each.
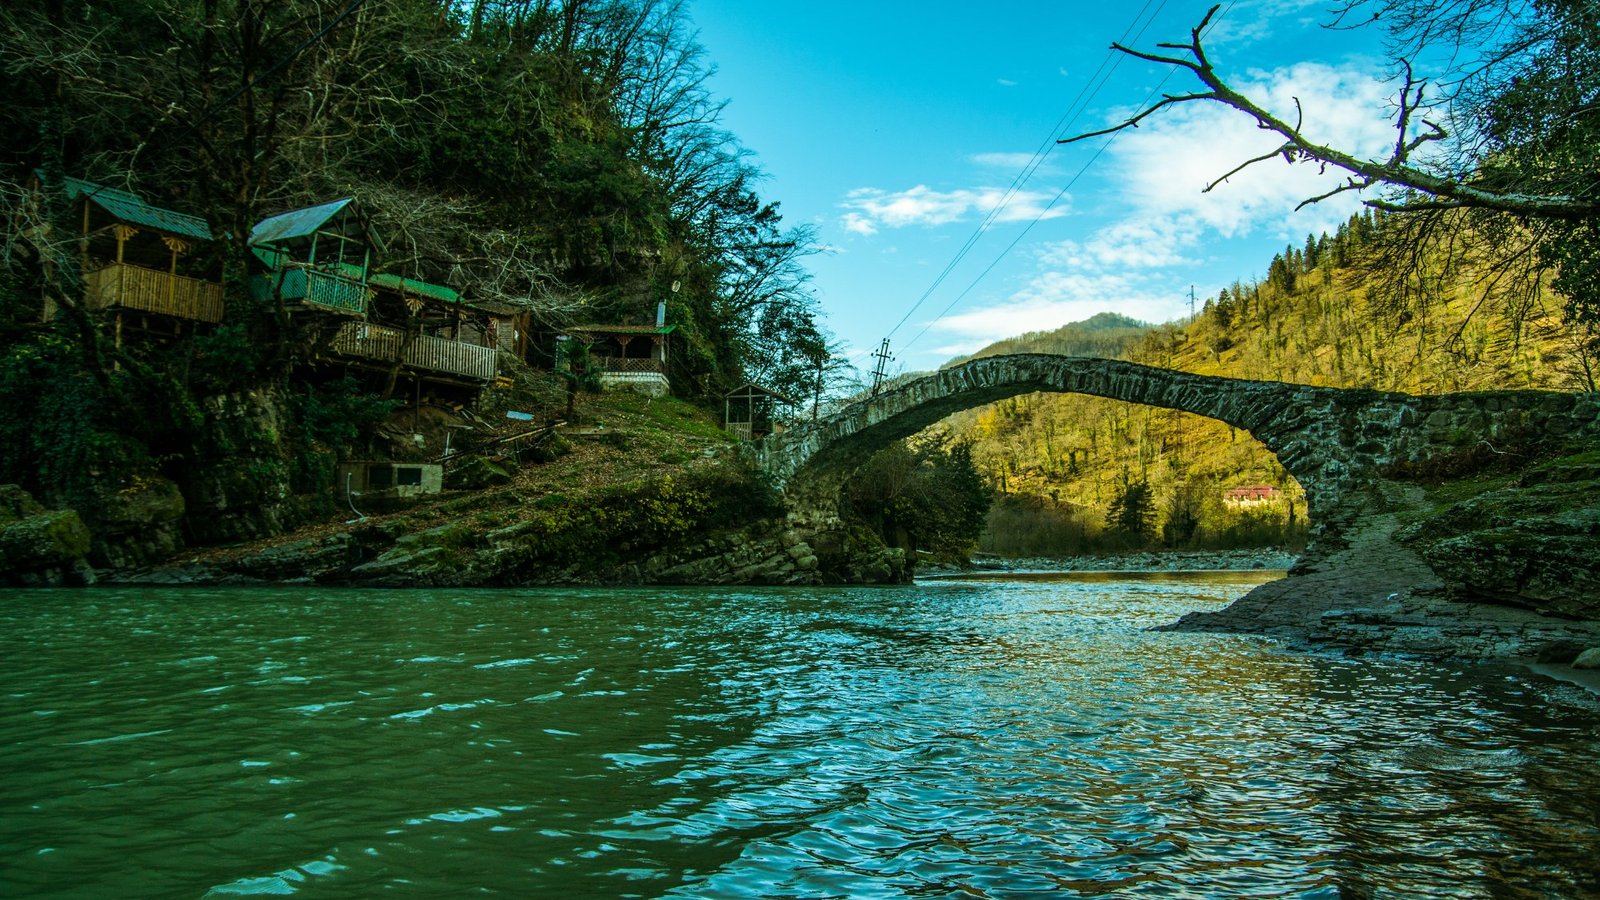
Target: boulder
(474, 473)
(1535, 543)
(16, 504)
(40, 547)
(1588, 659)
(139, 524)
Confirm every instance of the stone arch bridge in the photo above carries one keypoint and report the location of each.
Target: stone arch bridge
(1337, 442)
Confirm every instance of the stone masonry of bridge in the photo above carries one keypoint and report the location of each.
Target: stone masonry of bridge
(1334, 441)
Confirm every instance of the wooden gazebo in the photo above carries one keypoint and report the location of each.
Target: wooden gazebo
(318, 257)
(629, 356)
(751, 411)
(420, 327)
(135, 258)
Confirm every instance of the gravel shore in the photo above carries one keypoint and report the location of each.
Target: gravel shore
(1163, 561)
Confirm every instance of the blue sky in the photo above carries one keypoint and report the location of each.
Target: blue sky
(894, 128)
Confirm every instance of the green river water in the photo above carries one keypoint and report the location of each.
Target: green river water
(960, 738)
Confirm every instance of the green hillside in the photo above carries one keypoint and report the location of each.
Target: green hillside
(1080, 474)
(1107, 335)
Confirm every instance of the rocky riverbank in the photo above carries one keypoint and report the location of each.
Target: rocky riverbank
(1499, 566)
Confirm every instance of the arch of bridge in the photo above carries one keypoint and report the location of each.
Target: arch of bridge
(1334, 441)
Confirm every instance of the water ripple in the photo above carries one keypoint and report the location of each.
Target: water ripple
(998, 739)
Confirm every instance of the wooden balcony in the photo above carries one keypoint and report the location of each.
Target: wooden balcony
(134, 287)
(313, 287)
(424, 353)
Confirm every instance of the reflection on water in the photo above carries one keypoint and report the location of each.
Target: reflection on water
(972, 738)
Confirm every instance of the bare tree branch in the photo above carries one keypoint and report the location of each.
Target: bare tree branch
(1397, 171)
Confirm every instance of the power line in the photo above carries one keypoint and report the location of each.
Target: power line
(1040, 217)
(1076, 108)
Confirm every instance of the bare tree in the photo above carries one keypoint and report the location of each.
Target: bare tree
(1420, 188)
(1493, 166)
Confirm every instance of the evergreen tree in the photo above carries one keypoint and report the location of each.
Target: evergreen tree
(1132, 513)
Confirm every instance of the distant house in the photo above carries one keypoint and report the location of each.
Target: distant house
(136, 260)
(629, 356)
(1251, 496)
(317, 258)
(752, 411)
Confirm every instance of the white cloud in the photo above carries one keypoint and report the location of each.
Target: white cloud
(1144, 243)
(856, 223)
(1012, 163)
(872, 208)
(1249, 21)
(1005, 82)
(1131, 265)
(1165, 164)
(1053, 299)
(1002, 160)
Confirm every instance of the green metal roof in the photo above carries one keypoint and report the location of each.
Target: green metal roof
(131, 208)
(296, 223)
(401, 285)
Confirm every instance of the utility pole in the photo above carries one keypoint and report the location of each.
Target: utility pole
(882, 356)
(1191, 301)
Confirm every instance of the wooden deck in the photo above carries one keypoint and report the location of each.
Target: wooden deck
(424, 353)
(135, 287)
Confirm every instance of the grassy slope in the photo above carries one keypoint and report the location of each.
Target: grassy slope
(635, 444)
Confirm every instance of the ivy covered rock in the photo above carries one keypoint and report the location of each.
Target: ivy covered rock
(40, 547)
(476, 472)
(139, 524)
(1534, 542)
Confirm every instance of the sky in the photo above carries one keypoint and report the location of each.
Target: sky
(895, 128)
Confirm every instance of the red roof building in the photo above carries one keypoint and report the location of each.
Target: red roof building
(1251, 495)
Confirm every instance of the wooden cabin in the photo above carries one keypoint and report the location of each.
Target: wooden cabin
(422, 326)
(752, 411)
(500, 325)
(316, 258)
(138, 259)
(633, 357)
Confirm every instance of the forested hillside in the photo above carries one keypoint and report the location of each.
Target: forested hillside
(563, 160)
(1079, 473)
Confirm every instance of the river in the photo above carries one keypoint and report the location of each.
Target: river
(1003, 738)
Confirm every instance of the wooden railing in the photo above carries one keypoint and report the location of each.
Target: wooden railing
(334, 291)
(619, 364)
(384, 344)
(311, 286)
(135, 287)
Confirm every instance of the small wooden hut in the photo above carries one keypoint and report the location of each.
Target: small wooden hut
(137, 259)
(752, 411)
(318, 257)
(629, 356)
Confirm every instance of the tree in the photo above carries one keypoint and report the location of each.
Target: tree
(924, 494)
(1495, 162)
(1419, 185)
(1130, 518)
